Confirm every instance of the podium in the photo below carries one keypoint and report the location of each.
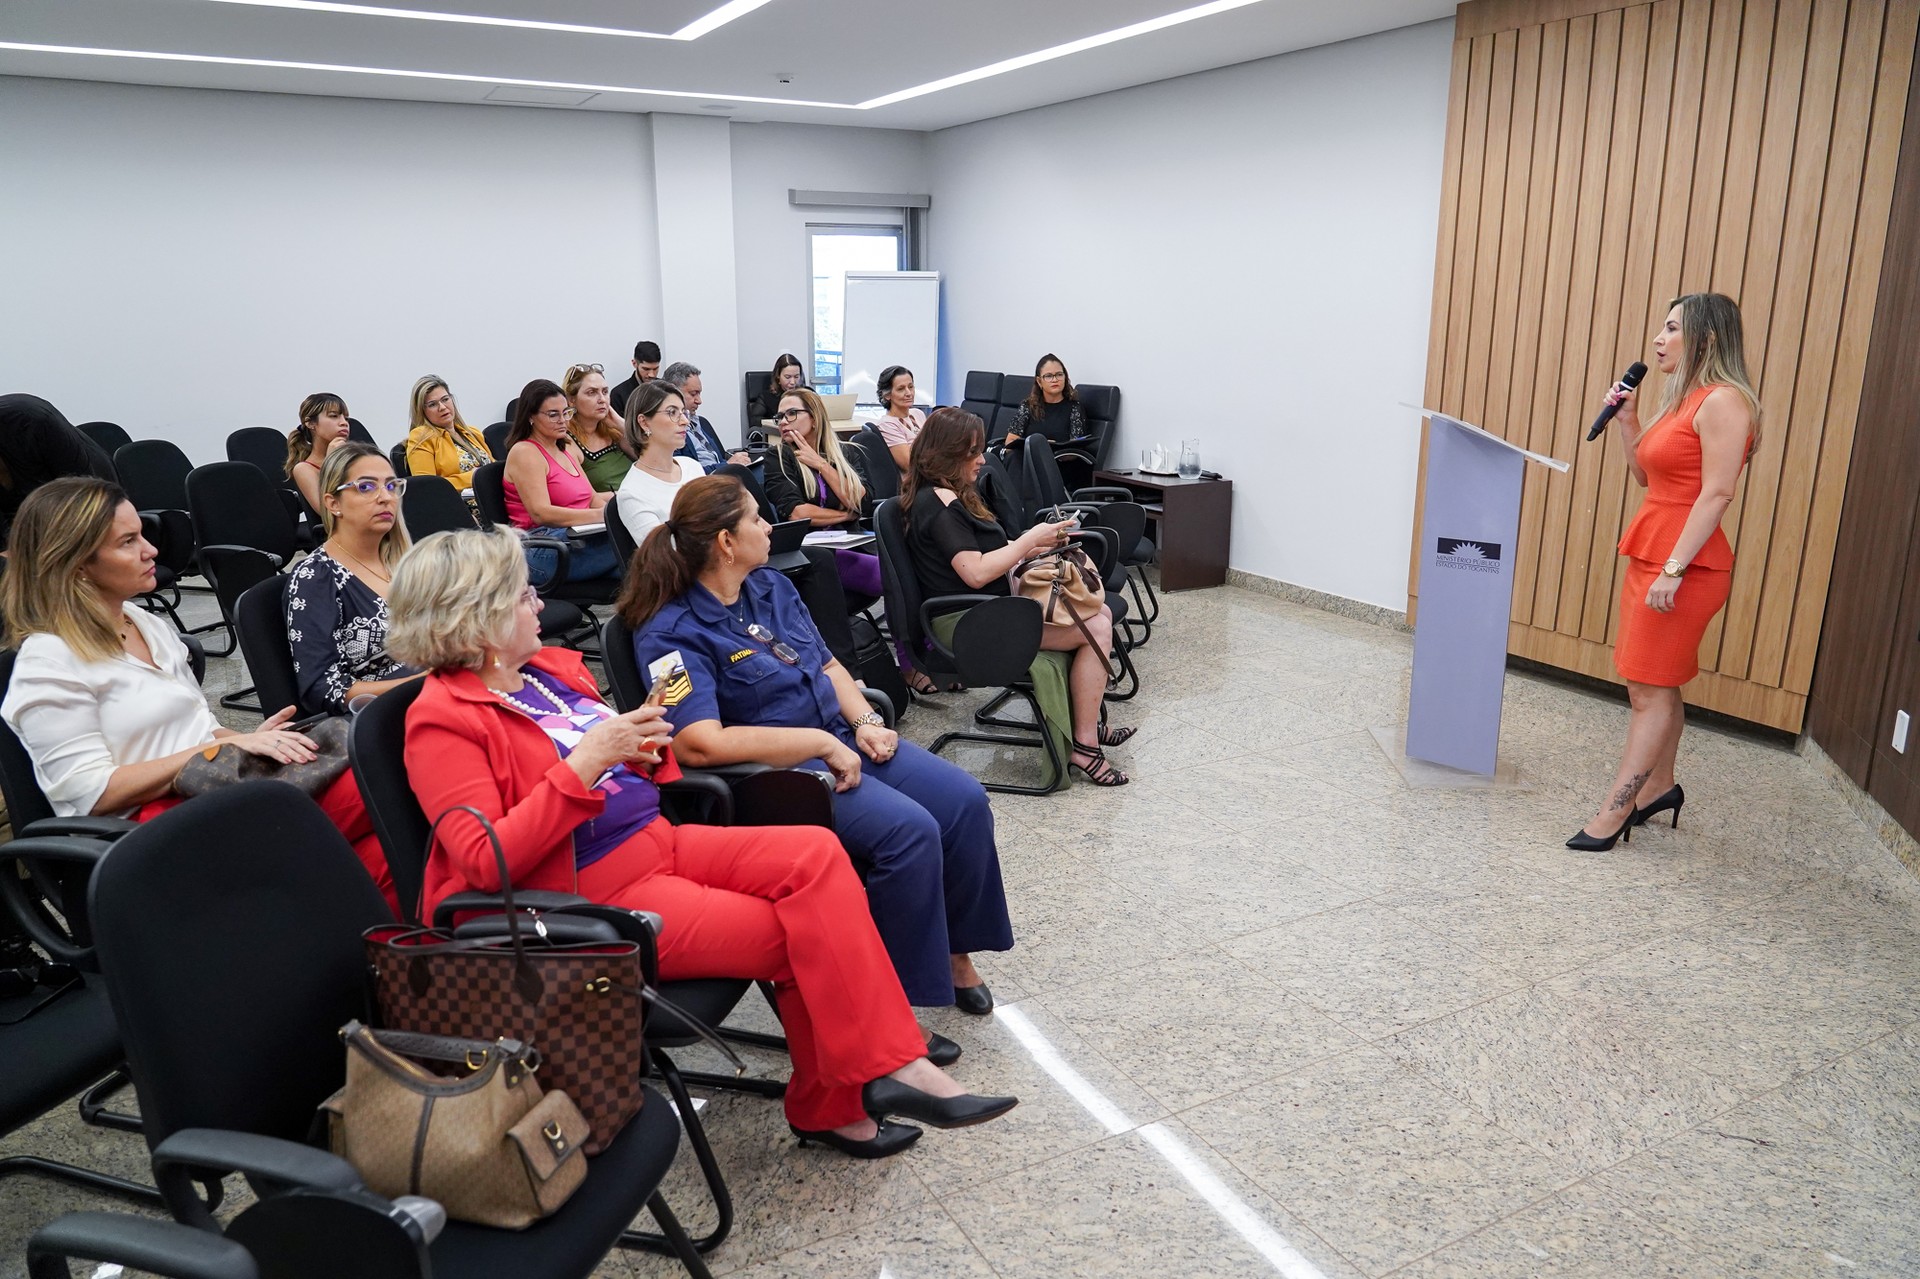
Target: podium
(1469, 531)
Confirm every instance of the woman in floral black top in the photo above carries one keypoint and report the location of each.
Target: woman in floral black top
(337, 599)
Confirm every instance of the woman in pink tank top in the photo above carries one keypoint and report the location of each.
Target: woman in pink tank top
(547, 490)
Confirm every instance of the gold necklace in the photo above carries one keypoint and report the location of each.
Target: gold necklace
(384, 577)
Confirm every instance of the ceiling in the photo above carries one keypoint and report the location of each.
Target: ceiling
(818, 61)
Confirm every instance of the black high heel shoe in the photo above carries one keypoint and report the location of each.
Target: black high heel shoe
(1585, 843)
(888, 1096)
(1673, 799)
(890, 1140)
(975, 1001)
(941, 1051)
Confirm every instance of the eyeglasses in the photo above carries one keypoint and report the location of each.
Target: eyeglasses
(531, 598)
(585, 368)
(784, 652)
(440, 402)
(785, 416)
(1053, 377)
(395, 485)
(673, 413)
(555, 415)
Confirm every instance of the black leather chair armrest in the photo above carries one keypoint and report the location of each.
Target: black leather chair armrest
(936, 605)
(270, 1164)
(700, 796)
(555, 926)
(107, 828)
(25, 904)
(882, 703)
(559, 546)
(533, 899)
(221, 549)
(156, 1247)
(1103, 493)
(72, 849)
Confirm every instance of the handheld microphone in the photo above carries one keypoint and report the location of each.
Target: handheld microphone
(1629, 379)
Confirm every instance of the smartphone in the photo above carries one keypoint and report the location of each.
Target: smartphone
(657, 695)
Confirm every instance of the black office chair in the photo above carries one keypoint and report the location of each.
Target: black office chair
(397, 457)
(154, 475)
(260, 623)
(264, 447)
(874, 464)
(355, 431)
(110, 436)
(249, 899)
(164, 1248)
(431, 505)
(981, 394)
(490, 495)
(622, 537)
(245, 536)
(752, 483)
(377, 749)
(992, 646)
(1045, 488)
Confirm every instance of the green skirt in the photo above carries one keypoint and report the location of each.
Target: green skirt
(1048, 671)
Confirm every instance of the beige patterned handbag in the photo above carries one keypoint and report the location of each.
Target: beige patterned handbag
(487, 1144)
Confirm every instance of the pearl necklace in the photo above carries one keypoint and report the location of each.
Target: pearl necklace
(533, 712)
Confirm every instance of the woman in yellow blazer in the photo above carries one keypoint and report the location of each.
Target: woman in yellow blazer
(440, 442)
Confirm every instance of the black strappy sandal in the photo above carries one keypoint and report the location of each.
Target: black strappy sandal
(1097, 769)
(919, 682)
(1111, 736)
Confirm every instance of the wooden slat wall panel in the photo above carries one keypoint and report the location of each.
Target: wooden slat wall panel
(1603, 157)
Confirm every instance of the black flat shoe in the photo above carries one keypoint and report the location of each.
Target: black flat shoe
(975, 1001)
(1585, 843)
(888, 1096)
(941, 1051)
(890, 1140)
(1673, 799)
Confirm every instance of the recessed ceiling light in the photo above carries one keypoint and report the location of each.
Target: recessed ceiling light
(393, 73)
(692, 31)
(1059, 51)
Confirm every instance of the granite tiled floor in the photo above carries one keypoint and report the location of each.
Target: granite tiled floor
(1272, 1012)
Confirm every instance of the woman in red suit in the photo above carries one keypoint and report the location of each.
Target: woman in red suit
(519, 732)
(1679, 565)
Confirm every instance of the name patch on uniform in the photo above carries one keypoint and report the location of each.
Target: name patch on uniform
(673, 668)
(741, 656)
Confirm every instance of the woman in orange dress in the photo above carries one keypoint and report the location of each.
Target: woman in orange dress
(1679, 563)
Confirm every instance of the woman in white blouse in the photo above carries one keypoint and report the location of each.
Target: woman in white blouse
(102, 695)
(656, 425)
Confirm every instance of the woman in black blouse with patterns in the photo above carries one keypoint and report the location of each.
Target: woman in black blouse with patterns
(958, 549)
(337, 598)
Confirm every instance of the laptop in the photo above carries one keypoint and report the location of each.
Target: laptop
(839, 407)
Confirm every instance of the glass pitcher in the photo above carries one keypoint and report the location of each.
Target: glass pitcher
(1190, 459)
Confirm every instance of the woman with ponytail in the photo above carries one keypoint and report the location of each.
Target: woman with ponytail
(761, 687)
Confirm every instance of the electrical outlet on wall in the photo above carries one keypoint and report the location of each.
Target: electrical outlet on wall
(1901, 722)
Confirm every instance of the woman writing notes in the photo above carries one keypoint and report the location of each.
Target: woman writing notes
(1679, 565)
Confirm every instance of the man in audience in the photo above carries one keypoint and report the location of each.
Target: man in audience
(646, 367)
(703, 442)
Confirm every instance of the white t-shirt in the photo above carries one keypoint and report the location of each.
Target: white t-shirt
(645, 500)
(81, 720)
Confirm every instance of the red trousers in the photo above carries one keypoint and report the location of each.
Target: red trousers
(779, 904)
(345, 808)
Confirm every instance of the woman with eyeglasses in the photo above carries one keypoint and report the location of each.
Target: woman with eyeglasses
(337, 597)
(518, 731)
(604, 452)
(655, 428)
(1052, 407)
(900, 421)
(546, 488)
(439, 441)
(323, 425)
(762, 688)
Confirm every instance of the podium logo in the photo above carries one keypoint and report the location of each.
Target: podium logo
(1474, 557)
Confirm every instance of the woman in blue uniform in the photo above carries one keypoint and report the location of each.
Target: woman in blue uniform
(762, 687)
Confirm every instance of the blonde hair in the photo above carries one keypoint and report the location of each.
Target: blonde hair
(60, 527)
(394, 543)
(1712, 353)
(417, 405)
(826, 444)
(453, 598)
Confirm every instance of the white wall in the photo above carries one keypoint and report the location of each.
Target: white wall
(770, 234)
(1248, 254)
(693, 183)
(185, 262)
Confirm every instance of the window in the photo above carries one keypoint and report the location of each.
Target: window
(832, 251)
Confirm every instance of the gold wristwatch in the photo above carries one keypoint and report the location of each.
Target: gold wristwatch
(1674, 568)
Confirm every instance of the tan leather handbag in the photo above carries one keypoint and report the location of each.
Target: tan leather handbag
(486, 1143)
(1066, 584)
